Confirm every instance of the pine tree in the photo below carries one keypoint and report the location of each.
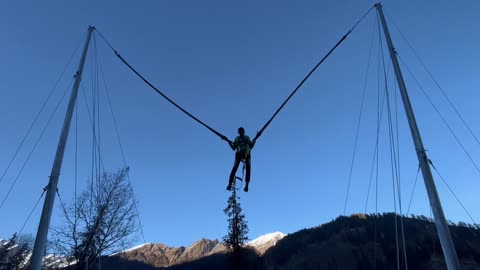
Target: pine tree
(237, 225)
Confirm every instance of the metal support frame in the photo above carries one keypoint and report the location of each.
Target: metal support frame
(441, 223)
(41, 238)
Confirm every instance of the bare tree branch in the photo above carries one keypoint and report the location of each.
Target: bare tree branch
(100, 222)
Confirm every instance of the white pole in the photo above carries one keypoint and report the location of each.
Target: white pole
(442, 226)
(41, 239)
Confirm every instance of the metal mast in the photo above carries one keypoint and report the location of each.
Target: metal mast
(441, 223)
(41, 239)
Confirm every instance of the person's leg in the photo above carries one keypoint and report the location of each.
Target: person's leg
(247, 176)
(232, 173)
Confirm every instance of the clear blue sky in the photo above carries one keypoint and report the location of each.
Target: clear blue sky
(232, 64)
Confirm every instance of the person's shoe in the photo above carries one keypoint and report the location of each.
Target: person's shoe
(229, 187)
(246, 188)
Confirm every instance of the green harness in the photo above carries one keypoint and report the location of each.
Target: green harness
(243, 146)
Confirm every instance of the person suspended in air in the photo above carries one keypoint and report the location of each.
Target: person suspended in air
(242, 147)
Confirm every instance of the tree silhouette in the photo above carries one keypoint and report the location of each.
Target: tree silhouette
(237, 225)
(15, 252)
(101, 221)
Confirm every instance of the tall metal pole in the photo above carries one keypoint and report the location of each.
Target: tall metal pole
(442, 226)
(41, 239)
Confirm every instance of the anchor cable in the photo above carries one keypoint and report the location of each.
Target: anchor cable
(435, 81)
(36, 143)
(451, 190)
(359, 118)
(413, 190)
(259, 133)
(107, 91)
(33, 210)
(223, 137)
(40, 111)
(440, 115)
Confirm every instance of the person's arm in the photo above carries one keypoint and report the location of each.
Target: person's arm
(233, 144)
(230, 143)
(250, 143)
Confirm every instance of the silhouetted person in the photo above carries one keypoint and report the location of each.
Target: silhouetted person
(242, 145)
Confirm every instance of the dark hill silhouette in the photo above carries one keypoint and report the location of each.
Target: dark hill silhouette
(344, 243)
(249, 259)
(348, 243)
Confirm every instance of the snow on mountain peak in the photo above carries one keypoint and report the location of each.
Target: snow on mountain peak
(267, 238)
(130, 249)
(136, 247)
(266, 241)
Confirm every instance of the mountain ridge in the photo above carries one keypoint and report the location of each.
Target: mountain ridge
(161, 255)
(343, 243)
